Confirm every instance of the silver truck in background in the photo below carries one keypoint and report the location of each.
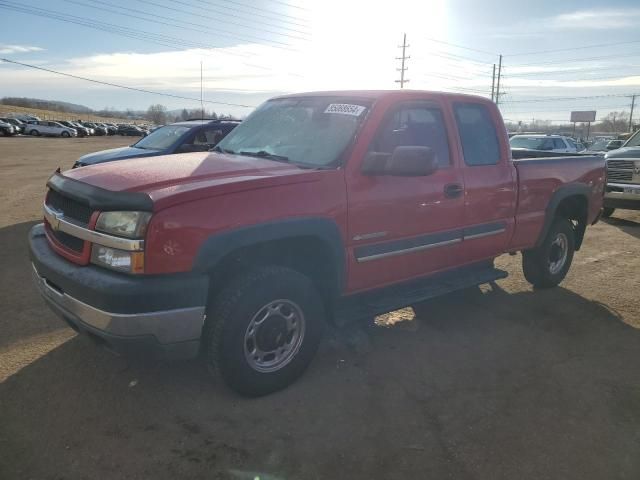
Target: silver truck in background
(623, 177)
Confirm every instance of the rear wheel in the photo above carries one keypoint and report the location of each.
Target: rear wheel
(547, 265)
(263, 329)
(34, 132)
(607, 212)
(65, 134)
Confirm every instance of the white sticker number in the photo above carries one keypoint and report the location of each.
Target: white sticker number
(345, 109)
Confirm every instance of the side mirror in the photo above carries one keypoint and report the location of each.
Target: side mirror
(405, 161)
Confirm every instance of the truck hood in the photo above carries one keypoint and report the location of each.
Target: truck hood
(116, 154)
(624, 152)
(171, 179)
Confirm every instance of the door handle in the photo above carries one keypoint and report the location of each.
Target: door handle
(453, 190)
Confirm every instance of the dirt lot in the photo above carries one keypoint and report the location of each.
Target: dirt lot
(499, 383)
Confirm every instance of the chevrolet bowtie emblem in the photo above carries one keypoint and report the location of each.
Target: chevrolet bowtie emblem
(54, 220)
(636, 170)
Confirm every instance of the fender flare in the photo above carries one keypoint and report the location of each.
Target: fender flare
(574, 189)
(219, 245)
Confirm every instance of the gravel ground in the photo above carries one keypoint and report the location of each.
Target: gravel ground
(500, 382)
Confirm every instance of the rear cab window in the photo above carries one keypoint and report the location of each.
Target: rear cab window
(478, 134)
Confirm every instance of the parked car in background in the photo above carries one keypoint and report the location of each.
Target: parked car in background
(320, 207)
(614, 144)
(547, 143)
(24, 118)
(18, 125)
(598, 146)
(82, 131)
(6, 129)
(623, 177)
(130, 131)
(48, 128)
(110, 129)
(181, 137)
(98, 130)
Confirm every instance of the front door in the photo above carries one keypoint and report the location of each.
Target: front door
(405, 227)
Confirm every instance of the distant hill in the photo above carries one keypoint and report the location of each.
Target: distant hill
(55, 105)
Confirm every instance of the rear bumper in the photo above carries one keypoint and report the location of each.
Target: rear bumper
(615, 197)
(156, 315)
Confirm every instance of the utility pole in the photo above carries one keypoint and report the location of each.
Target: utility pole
(493, 82)
(201, 99)
(633, 104)
(403, 58)
(499, 75)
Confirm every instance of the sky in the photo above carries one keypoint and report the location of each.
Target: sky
(557, 56)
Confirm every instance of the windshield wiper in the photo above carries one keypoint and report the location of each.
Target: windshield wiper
(267, 155)
(222, 150)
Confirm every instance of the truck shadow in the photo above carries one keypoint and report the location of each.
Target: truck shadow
(628, 226)
(489, 373)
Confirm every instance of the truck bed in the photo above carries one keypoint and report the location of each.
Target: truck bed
(539, 179)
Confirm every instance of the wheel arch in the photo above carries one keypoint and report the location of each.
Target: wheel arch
(571, 202)
(313, 246)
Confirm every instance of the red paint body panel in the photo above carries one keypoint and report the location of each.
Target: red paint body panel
(198, 195)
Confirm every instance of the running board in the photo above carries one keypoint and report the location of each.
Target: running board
(367, 305)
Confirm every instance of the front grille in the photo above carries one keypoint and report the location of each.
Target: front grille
(623, 164)
(72, 243)
(71, 209)
(620, 175)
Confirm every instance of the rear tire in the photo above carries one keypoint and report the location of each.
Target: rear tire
(65, 134)
(263, 329)
(607, 211)
(547, 265)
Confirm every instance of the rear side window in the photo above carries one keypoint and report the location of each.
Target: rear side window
(558, 143)
(477, 134)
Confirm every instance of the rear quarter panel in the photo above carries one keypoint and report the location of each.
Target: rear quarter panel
(539, 179)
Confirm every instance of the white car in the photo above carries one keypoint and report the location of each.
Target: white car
(548, 143)
(44, 127)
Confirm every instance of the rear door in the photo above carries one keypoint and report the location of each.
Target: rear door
(489, 181)
(406, 227)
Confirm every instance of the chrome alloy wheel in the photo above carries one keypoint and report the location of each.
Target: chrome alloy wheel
(274, 336)
(558, 253)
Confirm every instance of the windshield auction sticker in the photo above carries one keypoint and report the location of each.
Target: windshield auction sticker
(345, 109)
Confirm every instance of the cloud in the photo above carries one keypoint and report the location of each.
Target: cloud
(10, 49)
(596, 19)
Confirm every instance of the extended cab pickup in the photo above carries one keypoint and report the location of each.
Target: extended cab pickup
(319, 207)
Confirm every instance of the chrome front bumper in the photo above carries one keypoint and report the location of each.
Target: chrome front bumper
(169, 326)
(621, 195)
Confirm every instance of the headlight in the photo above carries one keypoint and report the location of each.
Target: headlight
(124, 224)
(120, 260)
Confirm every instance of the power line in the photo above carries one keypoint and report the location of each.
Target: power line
(159, 39)
(569, 49)
(205, 29)
(562, 99)
(135, 89)
(251, 7)
(459, 46)
(575, 60)
(199, 14)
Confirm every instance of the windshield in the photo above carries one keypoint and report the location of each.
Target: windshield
(634, 141)
(533, 143)
(312, 131)
(162, 138)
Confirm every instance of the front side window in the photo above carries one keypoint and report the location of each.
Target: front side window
(162, 138)
(414, 126)
(558, 144)
(308, 131)
(478, 134)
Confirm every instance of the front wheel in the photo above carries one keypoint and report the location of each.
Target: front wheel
(547, 265)
(263, 329)
(65, 134)
(34, 133)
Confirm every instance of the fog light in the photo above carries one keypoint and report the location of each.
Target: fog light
(119, 260)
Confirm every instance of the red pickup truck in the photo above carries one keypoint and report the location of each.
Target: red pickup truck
(320, 207)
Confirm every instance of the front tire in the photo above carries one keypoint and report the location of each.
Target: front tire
(263, 329)
(65, 134)
(547, 265)
(607, 212)
(34, 133)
